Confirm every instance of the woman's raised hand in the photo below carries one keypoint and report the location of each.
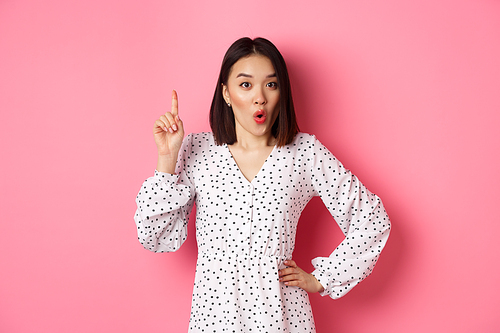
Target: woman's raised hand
(169, 131)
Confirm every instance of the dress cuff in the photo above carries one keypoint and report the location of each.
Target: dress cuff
(167, 177)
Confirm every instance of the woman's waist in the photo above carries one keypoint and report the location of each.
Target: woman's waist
(240, 256)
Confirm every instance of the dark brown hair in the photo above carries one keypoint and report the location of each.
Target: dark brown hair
(221, 115)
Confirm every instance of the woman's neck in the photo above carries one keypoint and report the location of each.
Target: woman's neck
(248, 141)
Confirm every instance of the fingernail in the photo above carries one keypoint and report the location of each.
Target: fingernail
(165, 129)
(174, 126)
(170, 130)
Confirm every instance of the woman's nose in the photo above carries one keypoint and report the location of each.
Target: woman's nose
(260, 98)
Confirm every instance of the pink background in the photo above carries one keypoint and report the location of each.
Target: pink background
(405, 93)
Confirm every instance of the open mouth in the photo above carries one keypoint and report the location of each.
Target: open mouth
(259, 116)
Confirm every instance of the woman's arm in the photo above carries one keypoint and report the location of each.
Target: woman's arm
(164, 204)
(165, 201)
(361, 217)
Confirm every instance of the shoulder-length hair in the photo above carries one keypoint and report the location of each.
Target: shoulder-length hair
(222, 121)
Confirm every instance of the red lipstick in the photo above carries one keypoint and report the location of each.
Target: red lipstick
(259, 116)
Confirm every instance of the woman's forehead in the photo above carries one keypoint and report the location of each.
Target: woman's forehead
(254, 65)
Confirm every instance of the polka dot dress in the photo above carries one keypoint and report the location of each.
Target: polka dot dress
(246, 230)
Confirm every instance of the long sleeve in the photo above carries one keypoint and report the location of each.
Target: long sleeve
(361, 217)
(164, 204)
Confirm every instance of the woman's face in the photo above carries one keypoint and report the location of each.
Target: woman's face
(252, 90)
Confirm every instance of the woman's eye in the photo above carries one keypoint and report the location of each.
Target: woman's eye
(272, 85)
(245, 85)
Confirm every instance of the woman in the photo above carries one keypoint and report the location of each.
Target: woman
(250, 179)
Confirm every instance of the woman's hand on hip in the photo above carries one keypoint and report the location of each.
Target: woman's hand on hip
(293, 275)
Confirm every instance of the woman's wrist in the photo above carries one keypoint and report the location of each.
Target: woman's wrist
(166, 164)
(319, 286)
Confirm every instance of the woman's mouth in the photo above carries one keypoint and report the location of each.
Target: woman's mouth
(259, 116)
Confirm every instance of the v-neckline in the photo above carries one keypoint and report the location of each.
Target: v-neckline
(238, 167)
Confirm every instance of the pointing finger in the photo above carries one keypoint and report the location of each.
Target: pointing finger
(175, 103)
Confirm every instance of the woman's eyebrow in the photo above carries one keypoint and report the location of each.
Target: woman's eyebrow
(248, 75)
(244, 75)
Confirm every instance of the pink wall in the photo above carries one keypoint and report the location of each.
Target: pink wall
(405, 93)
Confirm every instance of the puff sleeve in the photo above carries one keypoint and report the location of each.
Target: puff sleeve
(164, 204)
(359, 214)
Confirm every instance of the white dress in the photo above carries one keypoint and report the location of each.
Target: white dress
(245, 230)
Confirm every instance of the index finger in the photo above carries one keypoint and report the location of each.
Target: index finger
(175, 104)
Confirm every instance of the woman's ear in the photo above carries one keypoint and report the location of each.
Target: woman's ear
(225, 94)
